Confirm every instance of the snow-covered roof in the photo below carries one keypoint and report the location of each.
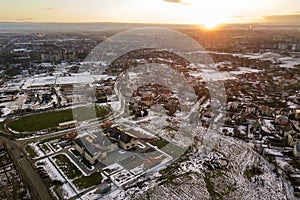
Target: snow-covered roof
(42, 81)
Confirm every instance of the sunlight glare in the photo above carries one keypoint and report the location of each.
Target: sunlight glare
(210, 25)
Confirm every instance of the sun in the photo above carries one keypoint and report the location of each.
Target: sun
(210, 25)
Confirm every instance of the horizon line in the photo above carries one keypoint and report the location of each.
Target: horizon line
(162, 23)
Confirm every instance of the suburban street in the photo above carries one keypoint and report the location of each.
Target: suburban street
(33, 180)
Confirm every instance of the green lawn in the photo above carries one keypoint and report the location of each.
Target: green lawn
(68, 168)
(45, 147)
(30, 151)
(72, 172)
(88, 181)
(46, 120)
(160, 143)
(86, 113)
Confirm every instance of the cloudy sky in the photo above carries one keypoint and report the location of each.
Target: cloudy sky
(207, 12)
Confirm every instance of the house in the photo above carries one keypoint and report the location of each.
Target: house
(282, 120)
(101, 98)
(297, 114)
(293, 139)
(232, 106)
(125, 140)
(284, 111)
(296, 150)
(286, 130)
(147, 99)
(46, 97)
(70, 136)
(276, 145)
(94, 149)
(106, 125)
(249, 118)
(292, 132)
(250, 109)
(66, 89)
(265, 111)
(47, 56)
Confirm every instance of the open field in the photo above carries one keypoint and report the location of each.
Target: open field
(46, 120)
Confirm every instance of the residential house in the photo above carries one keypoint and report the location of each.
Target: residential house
(125, 140)
(283, 111)
(250, 109)
(232, 106)
(147, 99)
(296, 150)
(286, 130)
(266, 111)
(249, 118)
(282, 120)
(297, 114)
(70, 136)
(293, 138)
(94, 149)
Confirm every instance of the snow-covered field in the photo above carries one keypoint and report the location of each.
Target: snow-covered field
(210, 74)
(195, 177)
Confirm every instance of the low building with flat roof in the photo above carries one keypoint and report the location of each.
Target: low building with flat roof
(66, 125)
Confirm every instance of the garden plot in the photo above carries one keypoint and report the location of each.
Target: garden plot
(68, 167)
(74, 175)
(122, 177)
(46, 148)
(34, 151)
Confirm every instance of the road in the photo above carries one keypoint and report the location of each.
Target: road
(33, 180)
